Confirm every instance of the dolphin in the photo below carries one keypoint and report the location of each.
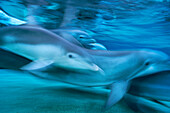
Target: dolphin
(150, 93)
(97, 46)
(79, 37)
(119, 68)
(67, 36)
(155, 86)
(76, 36)
(57, 59)
(44, 48)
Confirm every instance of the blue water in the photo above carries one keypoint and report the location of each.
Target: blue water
(117, 24)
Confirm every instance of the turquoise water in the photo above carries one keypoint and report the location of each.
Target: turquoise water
(24, 93)
(117, 24)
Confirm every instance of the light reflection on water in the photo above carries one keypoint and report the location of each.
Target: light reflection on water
(131, 23)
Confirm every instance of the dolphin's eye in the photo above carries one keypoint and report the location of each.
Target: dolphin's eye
(147, 63)
(72, 55)
(80, 37)
(83, 36)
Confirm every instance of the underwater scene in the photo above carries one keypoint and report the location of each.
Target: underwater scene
(84, 56)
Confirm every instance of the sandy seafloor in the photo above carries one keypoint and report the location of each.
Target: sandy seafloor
(21, 92)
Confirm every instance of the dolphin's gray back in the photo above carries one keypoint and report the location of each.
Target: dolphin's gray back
(25, 35)
(113, 62)
(34, 36)
(67, 36)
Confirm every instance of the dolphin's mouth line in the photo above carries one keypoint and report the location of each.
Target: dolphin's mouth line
(160, 102)
(166, 65)
(154, 100)
(132, 76)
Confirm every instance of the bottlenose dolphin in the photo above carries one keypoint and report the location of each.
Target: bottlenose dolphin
(113, 68)
(76, 36)
(119, 68)
(44, 48)
(67, 36)
(150, 93)
(79, 37)
(97, 46)
(155, 86)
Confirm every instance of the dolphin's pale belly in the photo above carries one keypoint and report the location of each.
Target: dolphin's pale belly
(83, 78)
(34, 52)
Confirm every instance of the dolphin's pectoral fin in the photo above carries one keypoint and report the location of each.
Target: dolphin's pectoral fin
(37, 64)
(118, 90)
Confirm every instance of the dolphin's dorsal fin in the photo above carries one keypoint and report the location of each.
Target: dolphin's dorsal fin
(37, 65)
(118, 89)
